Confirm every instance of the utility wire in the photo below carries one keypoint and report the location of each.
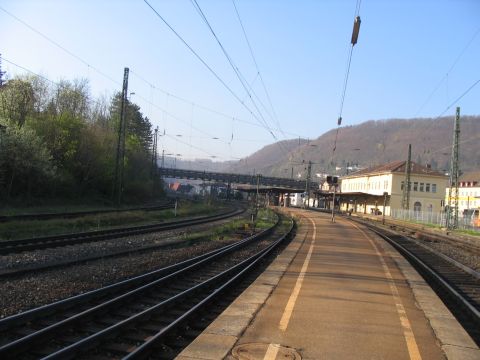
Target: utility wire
(61, 47)
(445, 77)
(75, 56)
(356, 29)
(461, 96)
(237, 72)
(44, 78)
(96, 101)
(257, 67)
(204, 63)
(206, 108)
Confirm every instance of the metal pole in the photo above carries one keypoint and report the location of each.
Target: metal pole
(120, 158)
(333, 205)
(256, 199)
(454, 176)
(384, 204)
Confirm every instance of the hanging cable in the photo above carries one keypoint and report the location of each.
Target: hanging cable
(239, 75)
(257, 67)
(461, 96)
(353, 41)
(236, 70)
(205, 64)
(445, 77)
(61, 47)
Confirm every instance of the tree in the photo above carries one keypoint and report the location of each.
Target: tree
(16, 101)
(24, 160)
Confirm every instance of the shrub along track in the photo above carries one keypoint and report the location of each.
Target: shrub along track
(133, 317)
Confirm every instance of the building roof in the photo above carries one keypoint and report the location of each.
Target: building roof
(471, 176)
(395, 167)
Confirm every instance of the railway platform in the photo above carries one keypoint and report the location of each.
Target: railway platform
(336, 292)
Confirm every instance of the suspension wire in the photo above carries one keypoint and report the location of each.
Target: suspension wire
(117, 82)
(460, 97)
(347, 73)
(95, 101)
(62, 47)
(205, 64)
(233, 66)
(257, 67)
(445, 77)
(75, 56)
(238, 73)
(203, 107)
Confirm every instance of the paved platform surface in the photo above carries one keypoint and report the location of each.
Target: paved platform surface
(337, 292)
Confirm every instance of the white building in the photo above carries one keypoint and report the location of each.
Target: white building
(364, 190)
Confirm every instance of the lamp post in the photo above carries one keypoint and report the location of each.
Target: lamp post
(385, 194)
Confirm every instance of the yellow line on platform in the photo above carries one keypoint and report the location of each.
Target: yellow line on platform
(287, 313)
(272, 352)
(407, 328)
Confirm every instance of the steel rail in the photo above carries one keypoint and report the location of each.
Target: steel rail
(22, 344)
(244, 267)
(435, 275)
(69, 215)
(15, 246)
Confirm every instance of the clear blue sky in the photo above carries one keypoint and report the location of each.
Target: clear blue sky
(405, 50)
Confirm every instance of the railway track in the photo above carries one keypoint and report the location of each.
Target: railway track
(135, 317)
(69, 215)
(420, 232)
(457, 285)
(16, 246)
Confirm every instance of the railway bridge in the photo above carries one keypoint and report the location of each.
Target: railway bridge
(230, 178)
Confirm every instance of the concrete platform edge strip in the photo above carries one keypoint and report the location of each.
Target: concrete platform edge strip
(454, 340)
(220, 337)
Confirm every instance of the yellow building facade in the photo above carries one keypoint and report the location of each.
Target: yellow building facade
(427, 188)
(468, 192)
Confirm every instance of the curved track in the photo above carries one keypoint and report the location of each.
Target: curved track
(131, 318)
(16, 246)
(457, 286)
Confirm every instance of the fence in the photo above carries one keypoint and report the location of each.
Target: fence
(439, 219)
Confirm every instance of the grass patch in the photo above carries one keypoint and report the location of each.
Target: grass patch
(37, 228)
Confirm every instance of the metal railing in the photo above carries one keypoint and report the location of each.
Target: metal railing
(438, 218)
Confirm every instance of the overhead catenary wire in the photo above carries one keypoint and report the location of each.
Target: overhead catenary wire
(45, 78)
(200, 106)
(203, 62)
(460, 97)
(445, 77)
(355, 33)
(235, 68)
(102, 73)
(96, 101)
(61, 47)
(257, 67)
(239, 75)
(97, 70)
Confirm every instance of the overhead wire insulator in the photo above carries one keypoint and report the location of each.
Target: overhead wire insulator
(356, 30)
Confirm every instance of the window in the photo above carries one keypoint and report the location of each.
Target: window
(422, 186)
(415, 186)
(427, 187)
(434, 188)
(402, 185)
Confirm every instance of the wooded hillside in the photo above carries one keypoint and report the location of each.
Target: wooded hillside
(373, 143)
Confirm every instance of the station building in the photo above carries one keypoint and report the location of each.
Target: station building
(468, 192)
(366, 190)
